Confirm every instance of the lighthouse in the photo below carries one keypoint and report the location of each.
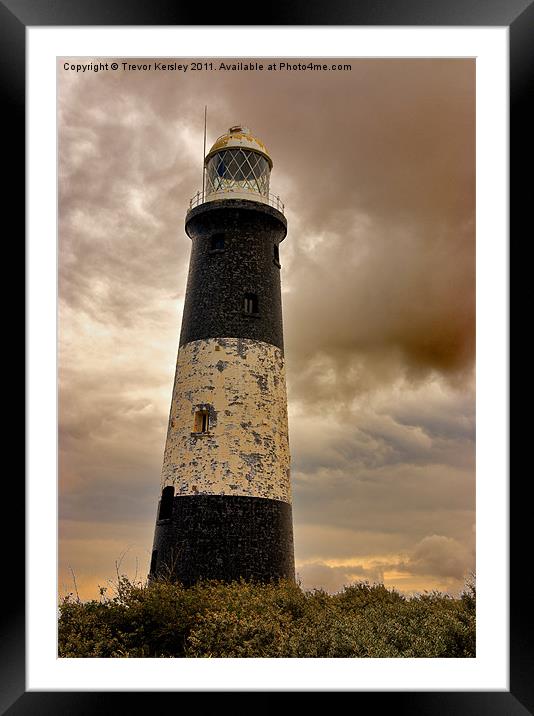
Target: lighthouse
(225, 506)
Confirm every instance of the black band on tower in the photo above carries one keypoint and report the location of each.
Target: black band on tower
(225, 538)
(233, 256)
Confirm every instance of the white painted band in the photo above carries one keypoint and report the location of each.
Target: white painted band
(244, 449)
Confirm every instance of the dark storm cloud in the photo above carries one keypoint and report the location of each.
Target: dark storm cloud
(376, 167)
(377, 163)
(424, 427)
(388, 308)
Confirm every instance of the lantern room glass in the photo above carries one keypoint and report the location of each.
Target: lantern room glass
(238, 170)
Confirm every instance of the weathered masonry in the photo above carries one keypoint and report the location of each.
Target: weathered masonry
(225, 506)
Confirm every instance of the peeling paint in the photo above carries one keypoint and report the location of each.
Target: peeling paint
(247, 450)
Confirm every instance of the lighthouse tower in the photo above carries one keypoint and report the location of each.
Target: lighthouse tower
(225, 505)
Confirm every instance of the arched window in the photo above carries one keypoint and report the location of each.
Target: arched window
(166, 503)
(276, 255)
(202, 421)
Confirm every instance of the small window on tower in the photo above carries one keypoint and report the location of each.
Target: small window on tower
(217, 242)
(276, 255)
(250, 305)
(202, 421)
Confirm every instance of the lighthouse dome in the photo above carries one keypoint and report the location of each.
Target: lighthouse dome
(239, 137)
(238, 166)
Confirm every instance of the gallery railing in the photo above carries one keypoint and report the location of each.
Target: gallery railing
(271, 199)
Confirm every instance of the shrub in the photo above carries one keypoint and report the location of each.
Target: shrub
(243, 619)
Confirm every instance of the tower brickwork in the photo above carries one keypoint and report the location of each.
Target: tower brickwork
(225, 506)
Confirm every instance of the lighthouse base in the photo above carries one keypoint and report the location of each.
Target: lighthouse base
(225, 538)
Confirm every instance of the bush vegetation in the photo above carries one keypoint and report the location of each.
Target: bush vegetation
(241, 619)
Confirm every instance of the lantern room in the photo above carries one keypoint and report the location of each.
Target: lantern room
(238, 166)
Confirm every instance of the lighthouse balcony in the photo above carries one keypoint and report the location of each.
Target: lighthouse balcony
(237, 193)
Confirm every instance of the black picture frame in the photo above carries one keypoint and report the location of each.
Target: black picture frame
(518, 16)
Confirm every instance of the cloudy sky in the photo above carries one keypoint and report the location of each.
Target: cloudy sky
(376, 166)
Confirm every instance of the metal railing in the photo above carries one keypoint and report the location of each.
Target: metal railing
(202, 197)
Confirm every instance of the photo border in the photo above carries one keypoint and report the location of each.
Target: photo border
(519, 17)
